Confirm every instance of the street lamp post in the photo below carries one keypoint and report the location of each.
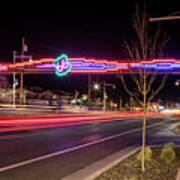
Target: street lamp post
(165, 18)
(97, 87)
(104, 93)
(170, 17)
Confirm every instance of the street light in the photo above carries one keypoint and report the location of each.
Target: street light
(166, 18)
(104, 93)
(177, 83)
(97, 87)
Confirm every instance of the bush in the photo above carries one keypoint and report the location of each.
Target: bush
(178, 127)
(168, 155)
(169, 145)
(148, 154)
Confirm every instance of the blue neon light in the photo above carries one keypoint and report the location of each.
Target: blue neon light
(80, 65)
(158, 66)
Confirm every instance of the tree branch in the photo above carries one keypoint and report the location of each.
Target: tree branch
(155, 92)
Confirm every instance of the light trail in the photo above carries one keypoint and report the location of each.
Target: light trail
(32, 124)
(30, 121)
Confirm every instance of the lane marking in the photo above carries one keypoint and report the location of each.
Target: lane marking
(26, 162)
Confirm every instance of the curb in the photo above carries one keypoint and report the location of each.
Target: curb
(94, 170)
(178, 175)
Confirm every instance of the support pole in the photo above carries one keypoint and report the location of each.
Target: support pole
(14, 81)
(104, 96)
(89, 86)
(21, 82)
(21, 88)
(120, 103)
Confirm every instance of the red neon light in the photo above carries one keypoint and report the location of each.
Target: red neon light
(114, 62)
(33, 62)
(155, 60)
(45, 60)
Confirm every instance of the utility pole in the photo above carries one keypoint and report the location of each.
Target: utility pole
(120, 103)
(89, 86)
(104, 96)
(21, 81)
(22, 57)
(14, 81)
(131, 103)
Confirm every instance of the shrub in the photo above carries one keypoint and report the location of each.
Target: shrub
(178, 127)
(168, 155)
(169, 145)
(148, 154)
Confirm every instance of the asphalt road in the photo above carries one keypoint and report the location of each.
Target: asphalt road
(50, 154)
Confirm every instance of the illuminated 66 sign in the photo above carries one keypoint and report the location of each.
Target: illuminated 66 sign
(62, 65)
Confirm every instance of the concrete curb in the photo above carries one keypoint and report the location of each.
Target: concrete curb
(94, 170)
(178, 175)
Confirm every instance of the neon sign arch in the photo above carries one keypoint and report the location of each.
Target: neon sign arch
(62, 65)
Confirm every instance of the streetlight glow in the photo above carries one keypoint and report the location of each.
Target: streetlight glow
(96, 86)
(177, 83)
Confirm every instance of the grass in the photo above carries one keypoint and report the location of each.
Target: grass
(156, 169)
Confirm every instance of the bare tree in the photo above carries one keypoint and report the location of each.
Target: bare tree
(148, 44)
(5, 91)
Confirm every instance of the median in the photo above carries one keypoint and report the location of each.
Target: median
(161, 163)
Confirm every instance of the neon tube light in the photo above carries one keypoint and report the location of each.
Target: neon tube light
(161, 64)
(3, 67)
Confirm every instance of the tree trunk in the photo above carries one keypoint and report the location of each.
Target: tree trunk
(144, 128)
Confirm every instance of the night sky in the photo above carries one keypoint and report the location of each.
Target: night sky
(87, 30)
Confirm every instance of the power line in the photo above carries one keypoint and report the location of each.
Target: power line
(175, 13)
(43, 45)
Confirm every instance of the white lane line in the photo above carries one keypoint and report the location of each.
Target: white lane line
(73, 148)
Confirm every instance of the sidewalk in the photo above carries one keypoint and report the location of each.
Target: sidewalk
(94, 170)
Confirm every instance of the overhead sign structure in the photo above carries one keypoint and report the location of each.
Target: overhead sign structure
(62, 65)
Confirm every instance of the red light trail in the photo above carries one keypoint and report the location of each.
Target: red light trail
(36, 122)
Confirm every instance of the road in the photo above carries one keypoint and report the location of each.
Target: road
(50, 153)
